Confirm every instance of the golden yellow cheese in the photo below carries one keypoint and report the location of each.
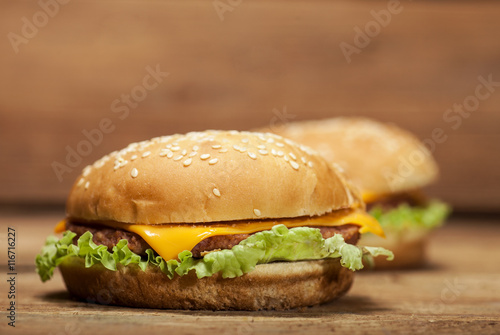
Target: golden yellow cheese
(169, 240)
(60, 227)
(370, 197)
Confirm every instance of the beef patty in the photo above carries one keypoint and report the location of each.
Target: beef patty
(392, 201)
(109, 237)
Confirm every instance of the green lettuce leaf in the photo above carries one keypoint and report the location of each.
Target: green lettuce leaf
(405, 216)
(277, 244)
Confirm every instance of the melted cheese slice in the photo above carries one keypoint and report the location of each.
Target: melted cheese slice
(60, 227)
(369, 197)
(169, 240)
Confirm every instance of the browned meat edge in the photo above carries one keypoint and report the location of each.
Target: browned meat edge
(413, 198)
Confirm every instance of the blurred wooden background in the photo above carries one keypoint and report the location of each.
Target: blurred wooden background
(264, 58)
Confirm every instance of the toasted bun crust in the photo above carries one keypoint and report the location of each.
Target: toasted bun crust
(206, 177)
(380, 158)
(275, 286)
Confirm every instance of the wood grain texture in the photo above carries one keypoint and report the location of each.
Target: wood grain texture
(228, 74)
(458, 293)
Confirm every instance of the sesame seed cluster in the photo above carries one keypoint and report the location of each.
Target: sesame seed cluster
(382, 136)
(371, 152)
(208, 148)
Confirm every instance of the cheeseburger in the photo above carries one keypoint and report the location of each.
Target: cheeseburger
(390, 166)
(210, 220)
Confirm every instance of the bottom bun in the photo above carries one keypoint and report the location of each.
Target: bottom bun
(407, 253)
(277, 286)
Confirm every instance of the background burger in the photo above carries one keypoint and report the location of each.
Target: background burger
(210, 220)
(390, 166)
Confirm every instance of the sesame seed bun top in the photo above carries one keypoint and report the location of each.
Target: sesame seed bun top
(380, 158)
(207, 177)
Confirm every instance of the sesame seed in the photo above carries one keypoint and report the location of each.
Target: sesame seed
(184, 152)
(146, 154)
(304, 160)
(261, 146)
(242, 150)
(245, 140)
(196, 148)
(306, 149)
(257, 212)
(87, 185)
(118, 164)
(223, 150)
(310, 164)
(178, 158)
(99, 164)
(338, 167)
(281, 145)
(134, 157)
(216, 192)
(188, 162)
(80, 182)
(274, 152)
(286, 158)
(175, 144)
(293, 156)
(270, 140)
(294, 165)
(175, 148)
(134, 173)
(87, 170)
(194, 153)
(263, 152)
(213, 161)
(205, 156)
(280, 153)
(164, 152)
(170, 154)
(216, 146)
(168, 146)
(236, 147)
(252, 155)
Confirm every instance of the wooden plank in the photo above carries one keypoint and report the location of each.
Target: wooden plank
(232, 74)
(458, 293)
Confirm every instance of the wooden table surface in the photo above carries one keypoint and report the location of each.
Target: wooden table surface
(458, 292)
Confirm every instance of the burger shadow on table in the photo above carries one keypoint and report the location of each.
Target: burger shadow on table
(428, 266)
(349, 304)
